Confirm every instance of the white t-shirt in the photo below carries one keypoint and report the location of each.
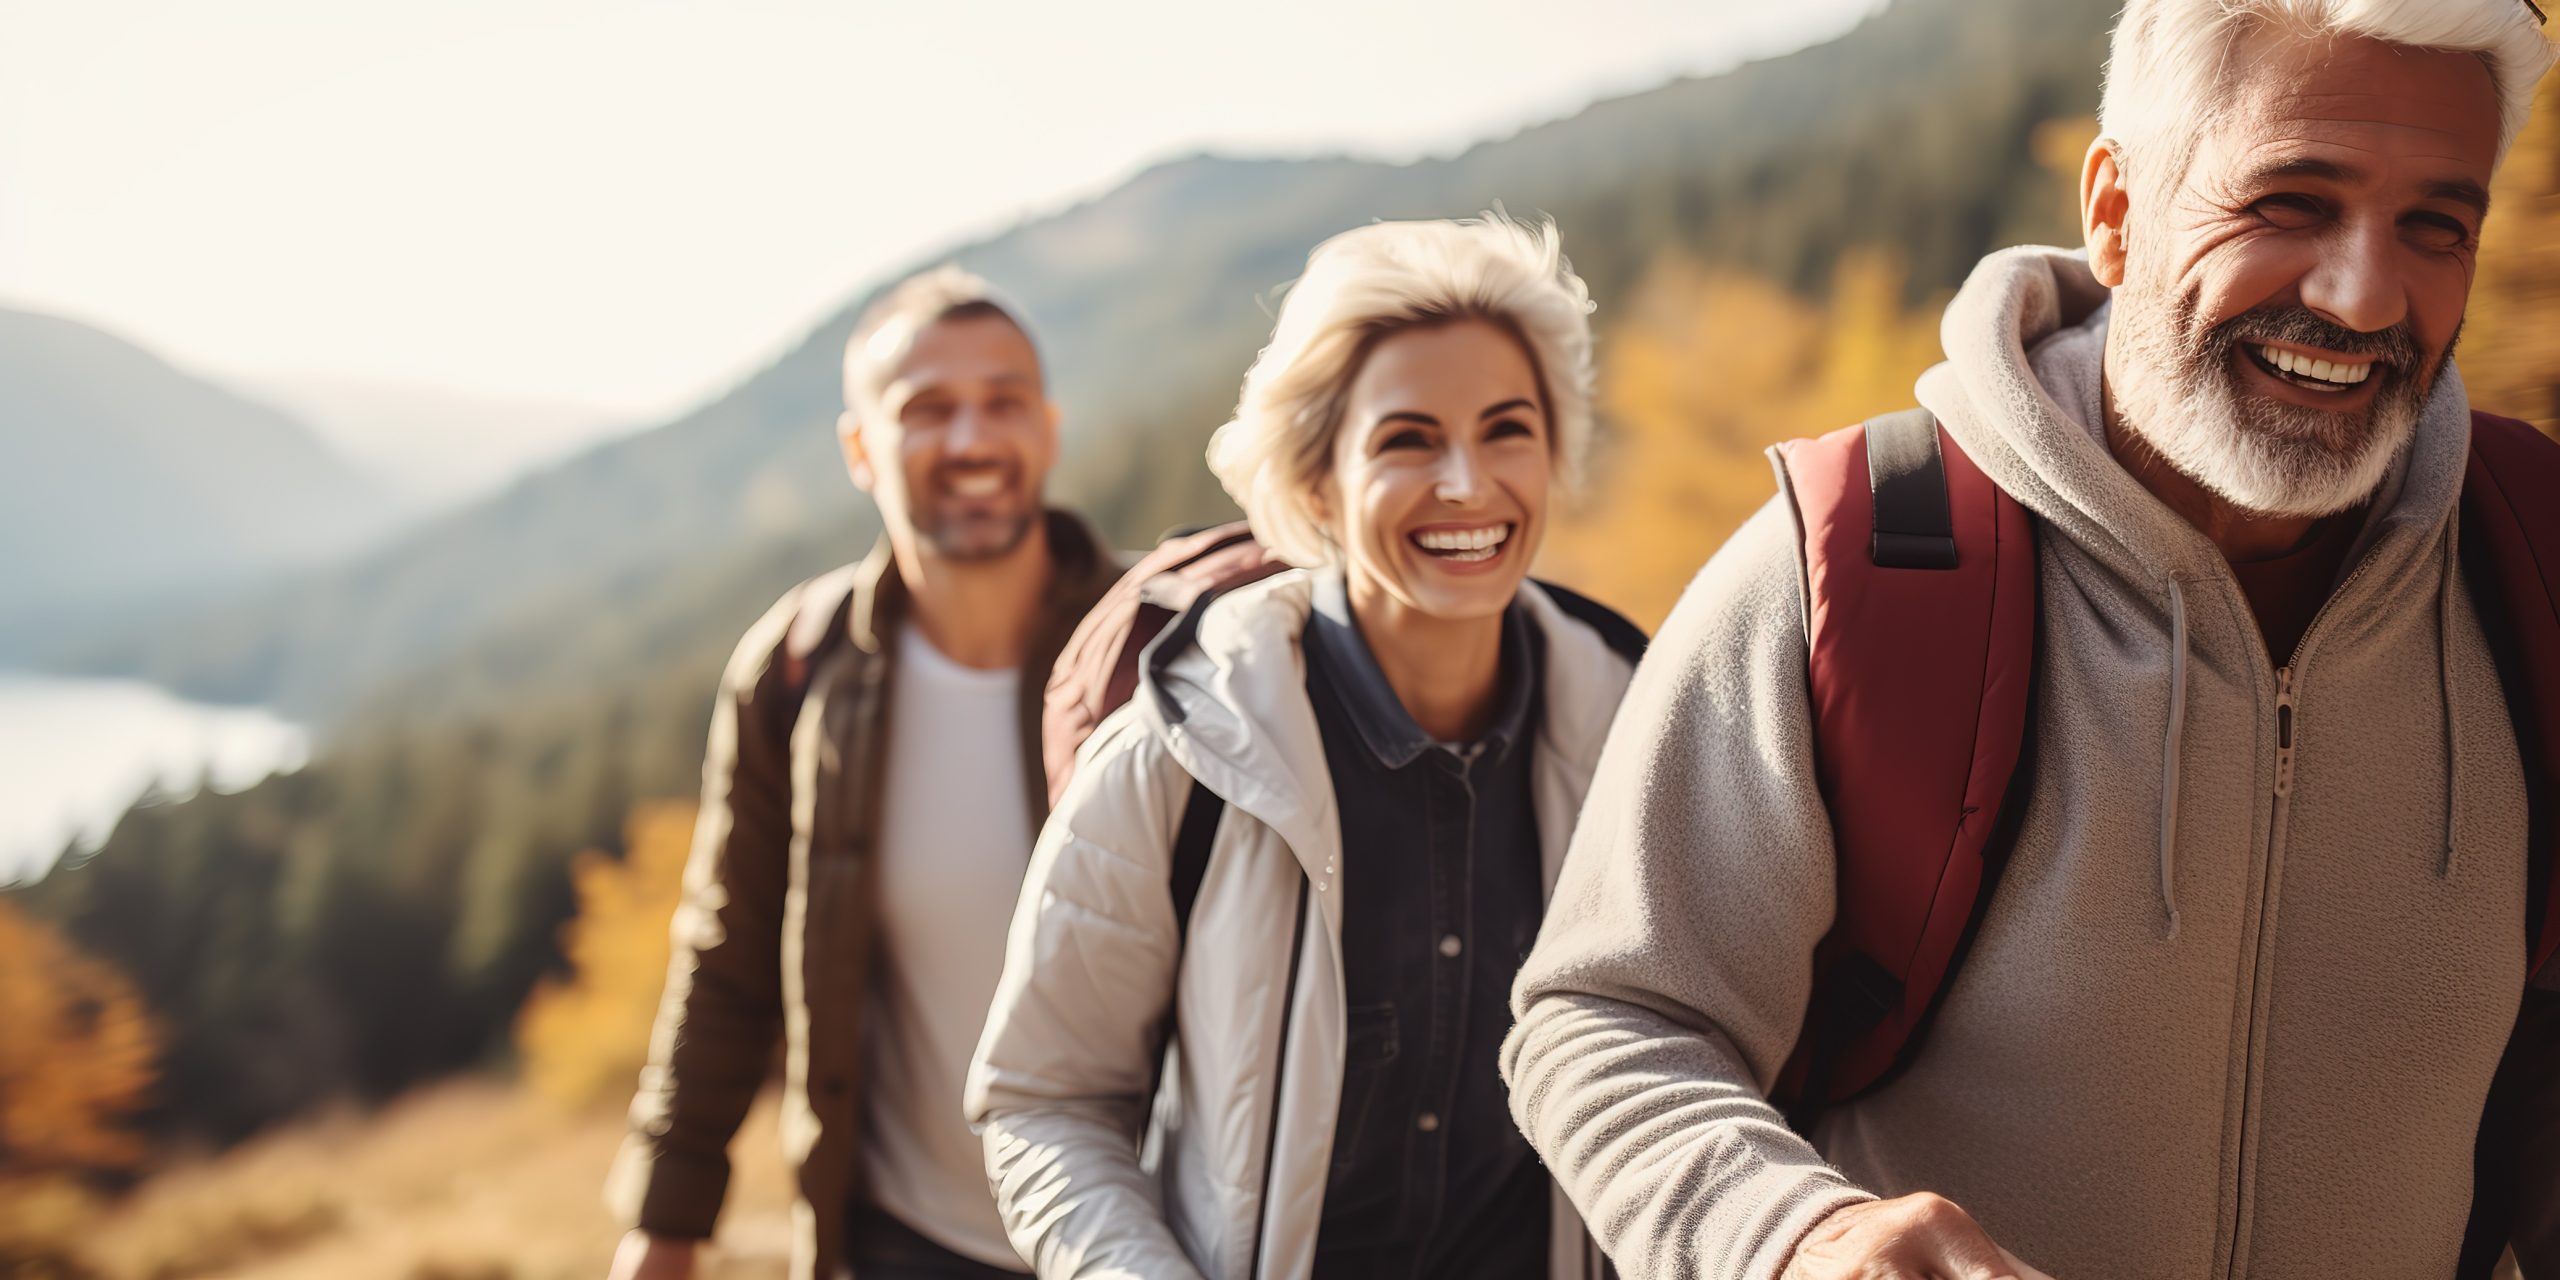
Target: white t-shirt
(954, 839)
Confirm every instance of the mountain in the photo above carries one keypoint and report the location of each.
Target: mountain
(1913, 131)
(437, 448)
(125, 481)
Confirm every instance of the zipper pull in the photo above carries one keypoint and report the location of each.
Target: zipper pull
(2284, 730)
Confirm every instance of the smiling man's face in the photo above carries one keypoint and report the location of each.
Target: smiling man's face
(2285, 305)
(957, 445)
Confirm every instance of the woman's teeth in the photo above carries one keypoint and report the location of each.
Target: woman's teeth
(1465, 546)
(2333, 373)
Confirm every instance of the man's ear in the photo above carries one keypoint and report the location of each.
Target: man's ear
(857, 461)
(2104, 204)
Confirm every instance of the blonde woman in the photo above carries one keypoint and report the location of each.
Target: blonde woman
(1394, 740)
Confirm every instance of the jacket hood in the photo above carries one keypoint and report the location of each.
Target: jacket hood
(1232, 710)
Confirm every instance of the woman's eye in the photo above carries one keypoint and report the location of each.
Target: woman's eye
(1408, 438)
(1507, 428)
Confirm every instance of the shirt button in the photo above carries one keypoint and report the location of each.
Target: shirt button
(1428, 1123)
(1450, 946)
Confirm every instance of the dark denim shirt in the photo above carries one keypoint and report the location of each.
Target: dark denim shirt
(1442, 892)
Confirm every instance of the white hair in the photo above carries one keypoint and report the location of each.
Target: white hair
(887, 330)
(1361, 286)
(2172, 59)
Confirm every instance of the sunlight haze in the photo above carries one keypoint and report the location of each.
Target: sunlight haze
(630, 206)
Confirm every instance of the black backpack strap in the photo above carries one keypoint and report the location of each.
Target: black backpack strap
(1623, 637)
(1913, 529)
(1191, 841)
(1191, 844)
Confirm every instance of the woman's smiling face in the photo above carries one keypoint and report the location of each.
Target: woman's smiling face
(1438, 492)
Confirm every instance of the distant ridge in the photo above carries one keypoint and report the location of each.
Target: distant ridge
(124, 480)
(437, 448)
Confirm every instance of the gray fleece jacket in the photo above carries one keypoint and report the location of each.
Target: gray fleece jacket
(2214, 1024)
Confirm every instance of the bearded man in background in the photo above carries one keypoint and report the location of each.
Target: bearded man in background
(857, 858)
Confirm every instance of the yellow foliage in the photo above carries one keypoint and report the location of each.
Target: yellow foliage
(77, 1059)
(1707, 369)
(586, 1037)
(2510, 363)
(2060, 146)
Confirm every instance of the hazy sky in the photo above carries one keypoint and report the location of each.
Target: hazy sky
(632, 204)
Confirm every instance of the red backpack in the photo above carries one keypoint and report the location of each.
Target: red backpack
(1915, 561)
(1099, 669)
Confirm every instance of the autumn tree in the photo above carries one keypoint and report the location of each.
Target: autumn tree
(1710, 365)
(1709, 368)
(586, 1036)
(2510, 364)
(77, 1057)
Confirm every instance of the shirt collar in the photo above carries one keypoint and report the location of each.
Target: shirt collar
(1336, 648)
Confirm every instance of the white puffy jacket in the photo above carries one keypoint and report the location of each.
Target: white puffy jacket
(1234, 1177)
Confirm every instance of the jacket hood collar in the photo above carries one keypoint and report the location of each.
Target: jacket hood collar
(1232, 708)
(2015, 406)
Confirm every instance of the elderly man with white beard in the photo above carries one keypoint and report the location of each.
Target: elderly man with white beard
(2237, 1002)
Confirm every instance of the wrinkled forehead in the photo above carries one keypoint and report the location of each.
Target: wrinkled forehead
(2354, 102)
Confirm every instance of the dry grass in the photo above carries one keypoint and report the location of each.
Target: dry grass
(467, 1181)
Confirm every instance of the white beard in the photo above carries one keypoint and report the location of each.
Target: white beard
(2259, 454)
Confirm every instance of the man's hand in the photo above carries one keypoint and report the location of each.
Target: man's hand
(1918, 1237)
(646, 1257)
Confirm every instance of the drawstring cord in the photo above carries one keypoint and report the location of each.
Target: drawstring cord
(2444, 692)
(2178, 723)
(2169, 753)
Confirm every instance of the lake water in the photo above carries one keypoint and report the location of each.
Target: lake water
(75, 753)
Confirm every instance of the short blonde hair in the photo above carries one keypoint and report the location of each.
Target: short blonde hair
(2172, 62)
(888, 328)
(1361, 286)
